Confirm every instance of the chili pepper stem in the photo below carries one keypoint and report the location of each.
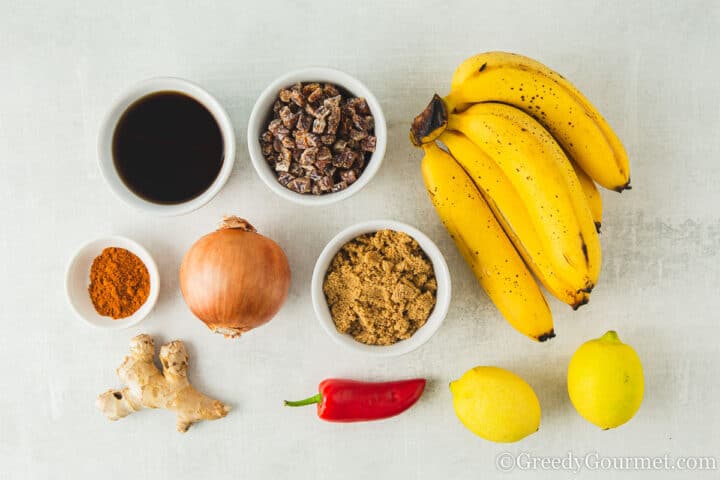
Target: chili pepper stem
(301, 403)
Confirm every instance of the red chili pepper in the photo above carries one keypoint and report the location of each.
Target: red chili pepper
(351, 401)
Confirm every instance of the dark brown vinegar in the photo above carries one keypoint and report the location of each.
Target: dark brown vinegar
(167, 148)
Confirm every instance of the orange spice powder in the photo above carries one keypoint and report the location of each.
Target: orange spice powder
(119, 283)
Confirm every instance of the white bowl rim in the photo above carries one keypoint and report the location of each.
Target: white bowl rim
(153, 272)
(259, 114)
(443, 295)
(138, 91)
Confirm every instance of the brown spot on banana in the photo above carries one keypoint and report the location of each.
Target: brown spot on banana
(584, 248)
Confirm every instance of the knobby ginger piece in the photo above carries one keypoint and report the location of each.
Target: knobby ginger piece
(146, 386)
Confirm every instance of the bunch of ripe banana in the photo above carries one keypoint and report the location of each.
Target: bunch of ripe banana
(515, 182)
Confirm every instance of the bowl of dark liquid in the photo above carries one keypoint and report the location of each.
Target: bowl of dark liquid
(167, 146)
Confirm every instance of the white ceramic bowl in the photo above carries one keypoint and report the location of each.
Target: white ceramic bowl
(261, 113)
(107, 130)
(77, 281)
(423, 334)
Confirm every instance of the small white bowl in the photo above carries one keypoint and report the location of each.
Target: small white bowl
(423, 334)
(77, 281)
(107, 130)
(261, 113)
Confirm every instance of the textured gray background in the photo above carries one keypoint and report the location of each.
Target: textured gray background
(651, 68)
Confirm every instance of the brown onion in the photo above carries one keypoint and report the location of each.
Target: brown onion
(234, 279)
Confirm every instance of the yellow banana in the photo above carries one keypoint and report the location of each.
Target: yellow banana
(592, 195)
(552, 100)
(544, 178)
(512, 214)
(485, 247)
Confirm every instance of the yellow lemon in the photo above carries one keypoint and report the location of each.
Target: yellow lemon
(496, 404)
(605, 381)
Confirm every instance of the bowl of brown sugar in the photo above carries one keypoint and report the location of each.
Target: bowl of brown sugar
(381, 288)
(112, 282)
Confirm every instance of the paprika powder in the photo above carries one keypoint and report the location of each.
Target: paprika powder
(119, 283)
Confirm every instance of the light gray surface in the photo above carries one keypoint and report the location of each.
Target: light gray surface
(652, 69)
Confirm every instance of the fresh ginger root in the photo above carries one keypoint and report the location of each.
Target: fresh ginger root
(147, 387)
